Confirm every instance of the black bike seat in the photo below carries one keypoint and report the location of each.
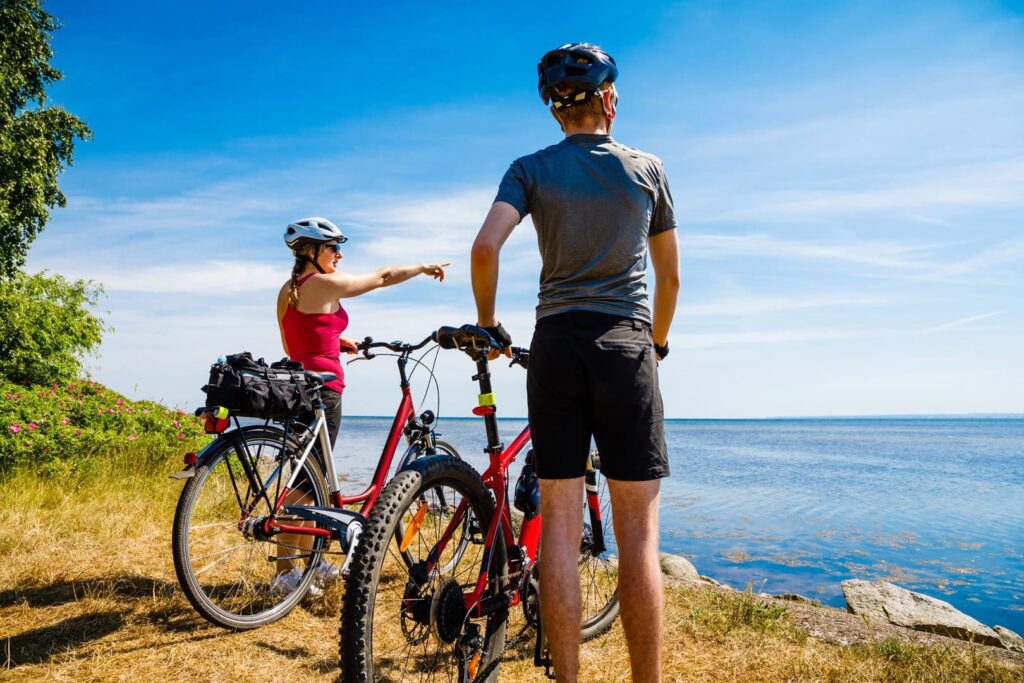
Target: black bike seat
(324, 377)
(468, 336)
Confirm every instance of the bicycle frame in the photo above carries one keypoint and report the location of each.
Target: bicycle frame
(405, 415)
(496, 479)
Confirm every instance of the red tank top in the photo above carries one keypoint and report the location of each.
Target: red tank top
(312, 339)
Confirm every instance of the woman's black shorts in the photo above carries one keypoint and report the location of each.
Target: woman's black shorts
(594, 374)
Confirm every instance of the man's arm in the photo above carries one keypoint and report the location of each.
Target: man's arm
(500, 222)
(664, 251)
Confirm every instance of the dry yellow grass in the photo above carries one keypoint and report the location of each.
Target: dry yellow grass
(87, 593)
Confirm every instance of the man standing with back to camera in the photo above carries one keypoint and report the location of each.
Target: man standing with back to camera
(598, 207)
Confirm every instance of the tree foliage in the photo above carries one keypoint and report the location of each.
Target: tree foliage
(36, 141)
(47, 327)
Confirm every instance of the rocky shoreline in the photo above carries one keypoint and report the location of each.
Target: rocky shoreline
(874, 611)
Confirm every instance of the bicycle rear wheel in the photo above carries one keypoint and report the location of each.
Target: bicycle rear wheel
(228, 569)
(599, 569)
(405, 624)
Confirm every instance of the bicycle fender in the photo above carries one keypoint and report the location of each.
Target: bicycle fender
(190, 470)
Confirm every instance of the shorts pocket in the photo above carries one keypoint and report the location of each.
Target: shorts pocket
(625, 340)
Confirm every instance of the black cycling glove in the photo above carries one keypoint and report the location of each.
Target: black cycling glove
(500, 335)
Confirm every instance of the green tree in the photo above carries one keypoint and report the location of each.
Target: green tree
(47, 328)
(36, 141)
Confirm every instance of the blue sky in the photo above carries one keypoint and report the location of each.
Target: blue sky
(848, 177)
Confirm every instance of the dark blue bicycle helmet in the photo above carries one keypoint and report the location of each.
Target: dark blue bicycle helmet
(580, 67)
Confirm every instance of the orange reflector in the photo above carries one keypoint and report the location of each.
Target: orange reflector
(480, 411)
(473, 664)
(414, 528)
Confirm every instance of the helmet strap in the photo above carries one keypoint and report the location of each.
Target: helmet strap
(578, 97)
(316, 254)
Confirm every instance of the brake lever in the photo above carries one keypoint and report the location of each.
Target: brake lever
(367, 356)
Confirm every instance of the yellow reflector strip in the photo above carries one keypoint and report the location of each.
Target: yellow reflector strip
(486, 399)
(221, 412)
(414, 528)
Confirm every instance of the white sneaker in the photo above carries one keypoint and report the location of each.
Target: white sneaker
(283, 584)
(326, 574)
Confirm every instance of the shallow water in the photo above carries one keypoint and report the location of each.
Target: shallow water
(935, 505)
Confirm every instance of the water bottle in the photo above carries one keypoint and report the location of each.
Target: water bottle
(527, 498)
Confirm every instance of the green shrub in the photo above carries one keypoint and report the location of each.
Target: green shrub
(60, 428)
(46, 327)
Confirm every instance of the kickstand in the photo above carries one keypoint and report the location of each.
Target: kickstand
(541, 654)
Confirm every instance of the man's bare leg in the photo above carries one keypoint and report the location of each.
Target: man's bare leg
(561, 503)
(635, 516)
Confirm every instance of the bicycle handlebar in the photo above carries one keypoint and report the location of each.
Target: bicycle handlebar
(466, 336)
(520, 356)
(395, 346)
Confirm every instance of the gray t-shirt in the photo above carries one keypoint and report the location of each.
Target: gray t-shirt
(594, 204)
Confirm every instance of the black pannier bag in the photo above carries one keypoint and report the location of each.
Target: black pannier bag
(251, 388)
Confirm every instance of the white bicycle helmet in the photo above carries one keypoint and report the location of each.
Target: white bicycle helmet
(313, 229)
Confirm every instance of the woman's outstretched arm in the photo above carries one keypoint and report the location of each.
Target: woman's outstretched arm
(348, 285)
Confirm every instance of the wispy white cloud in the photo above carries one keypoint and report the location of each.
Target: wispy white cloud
(717, 339)
(755, 305)
(962, 321)
(892, 255)
(214, 277)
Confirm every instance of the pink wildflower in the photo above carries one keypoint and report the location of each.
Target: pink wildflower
(176, 424)
(129, 409)
(180, 435)
(110, 410)
(119, 402)
(17, 396)
(78, 432)
(65, 421)
(15, 428)
(133, 437)
(31, 425)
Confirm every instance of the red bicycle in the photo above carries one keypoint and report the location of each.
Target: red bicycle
(446, 614)
(261, 504)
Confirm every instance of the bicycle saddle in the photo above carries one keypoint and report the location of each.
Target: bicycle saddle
(465, 338)
(324, 377)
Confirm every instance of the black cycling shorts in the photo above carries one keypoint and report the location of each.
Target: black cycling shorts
(332, 412)
(595, 374)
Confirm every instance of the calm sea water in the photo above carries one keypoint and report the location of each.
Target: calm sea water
(934, 505)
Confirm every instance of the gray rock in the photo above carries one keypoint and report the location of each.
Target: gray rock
(881, 601)
(1010, 640)
(796, 597)
(678, 567)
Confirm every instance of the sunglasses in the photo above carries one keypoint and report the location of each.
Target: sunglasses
(334, 247)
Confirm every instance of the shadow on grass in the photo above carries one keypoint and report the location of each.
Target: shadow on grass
(38, 645)
(65, 592)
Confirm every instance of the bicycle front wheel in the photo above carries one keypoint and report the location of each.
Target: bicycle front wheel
(233, 573)
(412, 624)
(422, 449)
